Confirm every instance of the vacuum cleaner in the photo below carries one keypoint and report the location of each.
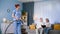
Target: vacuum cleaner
(10, 25)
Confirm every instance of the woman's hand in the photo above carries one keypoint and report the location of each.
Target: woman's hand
(20, 18)
(16, 18)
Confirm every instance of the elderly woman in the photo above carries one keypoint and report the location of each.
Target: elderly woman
(48, 26)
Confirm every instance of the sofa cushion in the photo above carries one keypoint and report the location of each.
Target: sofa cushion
(56, 26)
(54, 32)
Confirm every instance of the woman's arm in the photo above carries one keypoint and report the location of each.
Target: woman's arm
(14, 16)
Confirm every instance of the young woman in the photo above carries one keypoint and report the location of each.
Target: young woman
(17, 17)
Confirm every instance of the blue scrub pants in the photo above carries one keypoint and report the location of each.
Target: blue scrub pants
(17, 27)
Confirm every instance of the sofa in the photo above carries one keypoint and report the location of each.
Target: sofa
(55, 29)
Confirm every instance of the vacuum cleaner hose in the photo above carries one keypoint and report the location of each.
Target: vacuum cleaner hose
(10, 25)
(7, 27)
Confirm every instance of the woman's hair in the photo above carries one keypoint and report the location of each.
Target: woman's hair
(47, 19)
(41, 19)
(16, 5)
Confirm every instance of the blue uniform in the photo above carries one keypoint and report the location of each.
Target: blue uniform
(17, 23)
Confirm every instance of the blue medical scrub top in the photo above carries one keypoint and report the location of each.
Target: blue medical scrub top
(17, 13)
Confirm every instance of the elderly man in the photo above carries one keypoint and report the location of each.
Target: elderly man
(39, 28)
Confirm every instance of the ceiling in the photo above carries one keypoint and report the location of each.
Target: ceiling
(36, 0)
(29, 0)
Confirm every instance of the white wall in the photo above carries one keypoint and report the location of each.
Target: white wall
(48, 9)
